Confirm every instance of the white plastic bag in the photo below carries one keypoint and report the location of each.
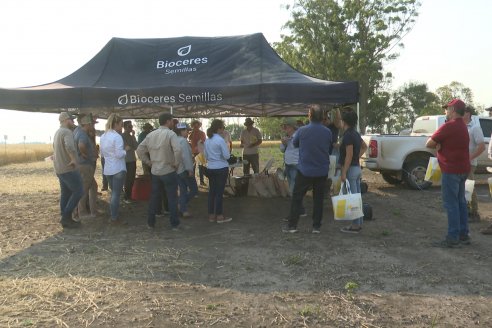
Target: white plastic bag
(469, 186)
(433, 172)
(336, 182)
(333, 166)
(347, 207)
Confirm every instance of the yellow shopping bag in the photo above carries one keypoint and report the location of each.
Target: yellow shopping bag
(433, 173)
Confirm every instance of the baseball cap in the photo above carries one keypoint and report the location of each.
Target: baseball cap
(86, 119)
(65, 116)
(456, 104)
(183, 125)
(471, 110)
(290, 121)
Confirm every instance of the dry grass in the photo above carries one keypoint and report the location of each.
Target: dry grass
(21, 153)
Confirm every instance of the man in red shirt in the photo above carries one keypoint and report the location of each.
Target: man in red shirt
(451, 141)
(197, 139)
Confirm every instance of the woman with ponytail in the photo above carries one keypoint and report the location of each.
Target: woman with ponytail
(113, 151)
(217, 153)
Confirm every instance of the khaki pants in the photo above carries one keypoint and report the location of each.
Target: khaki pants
(473, 205)
(87, 173)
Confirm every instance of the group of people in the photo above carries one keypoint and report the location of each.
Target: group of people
(458, 142)
(169, 155)
(307, 151)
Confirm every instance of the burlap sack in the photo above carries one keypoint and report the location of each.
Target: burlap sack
(251, 188)
(270, 186)
(260, 184)
(282, 186)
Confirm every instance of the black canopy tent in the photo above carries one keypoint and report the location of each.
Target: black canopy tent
(189, 76)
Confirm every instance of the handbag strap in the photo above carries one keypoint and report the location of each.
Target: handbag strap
(347, 187)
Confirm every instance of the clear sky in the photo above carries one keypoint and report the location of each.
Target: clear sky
(43, 41)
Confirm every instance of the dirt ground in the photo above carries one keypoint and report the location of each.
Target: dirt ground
(246, 273)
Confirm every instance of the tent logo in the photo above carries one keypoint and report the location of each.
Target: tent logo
(123, 100)
(183, 51)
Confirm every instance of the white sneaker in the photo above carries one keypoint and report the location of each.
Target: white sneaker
(224, 220)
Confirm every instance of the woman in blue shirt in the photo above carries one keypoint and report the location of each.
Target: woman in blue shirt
(217, 153)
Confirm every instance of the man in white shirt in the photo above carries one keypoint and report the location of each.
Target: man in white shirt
(250, 140)
(476, 147)
(162, 152)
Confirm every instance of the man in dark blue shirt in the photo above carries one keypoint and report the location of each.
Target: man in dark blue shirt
(314, 141)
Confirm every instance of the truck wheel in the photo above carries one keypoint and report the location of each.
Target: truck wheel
(414, 173)
(391, 179)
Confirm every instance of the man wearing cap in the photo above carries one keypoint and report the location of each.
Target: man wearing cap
(186, 178)
(291, 155)
(476, 147)
(489, 110)
(130, 159)
(86, 163)
(250, 140)
(452, 143)
(197, 139)
(65, 164)
(162, 152)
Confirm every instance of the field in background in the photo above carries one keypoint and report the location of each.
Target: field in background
(21, 153)
(38, 152)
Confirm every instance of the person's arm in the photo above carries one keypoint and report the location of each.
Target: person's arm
(431, 143)
(187, 157)
(337, 120)
(490, 146)
(70, 147)
(224, 150)
(241, 138)
(258, 139)
(84, 152)
(295, 140)
(480, 148)
(363, 147)
(119, 147)
(133, 142)
(143, 152)
(479, 140)
(349, 153)
(178, 157)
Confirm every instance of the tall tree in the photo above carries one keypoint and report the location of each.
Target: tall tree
(347, 40)
(455, 90)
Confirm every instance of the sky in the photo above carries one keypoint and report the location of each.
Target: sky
(44, 41)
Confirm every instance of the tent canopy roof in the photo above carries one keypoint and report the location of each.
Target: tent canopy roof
(190, 76)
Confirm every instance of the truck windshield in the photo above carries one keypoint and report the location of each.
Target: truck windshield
(424, 126)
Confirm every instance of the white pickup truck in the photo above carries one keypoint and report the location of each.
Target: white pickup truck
(404, 158)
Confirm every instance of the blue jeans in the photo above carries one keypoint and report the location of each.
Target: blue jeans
(354, 175)
(216, 184)
(170, 183)
(115, 182)
(187, 190)
(291, 173)
(71, 192)
(453, 197)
